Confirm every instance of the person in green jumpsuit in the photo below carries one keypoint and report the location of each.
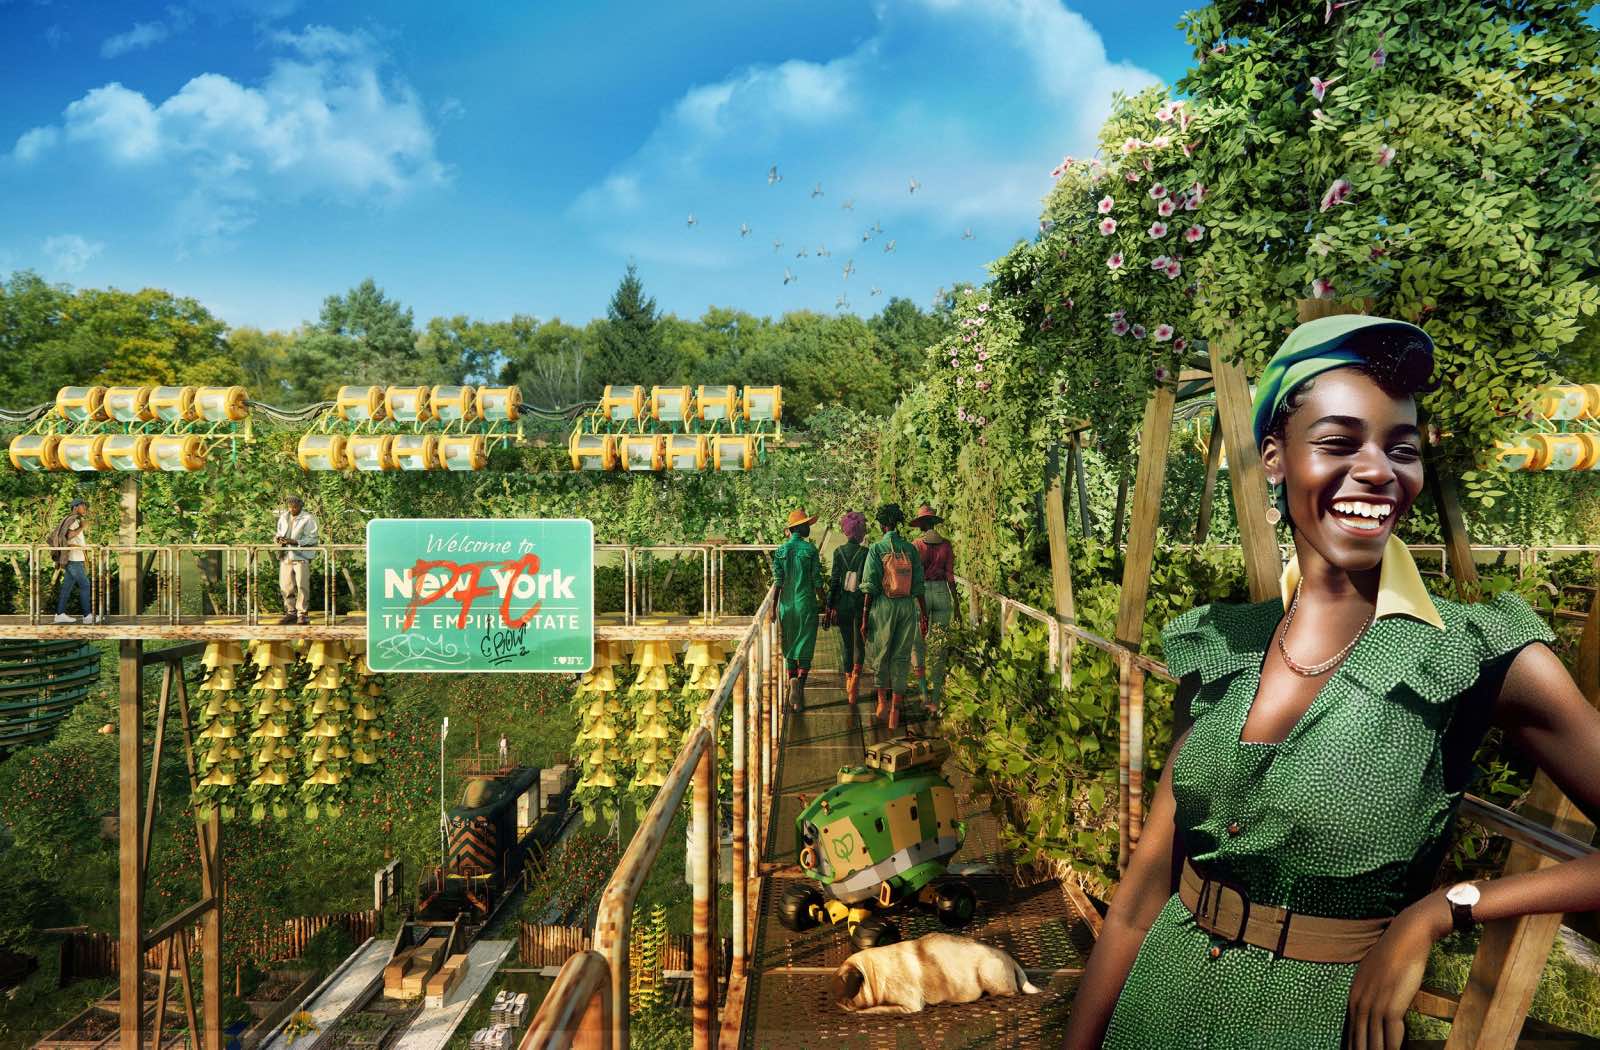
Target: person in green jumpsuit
(938, 586)
(1322, 743)
(892, 621)
(797, 570)
(843, 606)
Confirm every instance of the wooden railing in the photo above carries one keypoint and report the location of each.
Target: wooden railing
(588, 1005)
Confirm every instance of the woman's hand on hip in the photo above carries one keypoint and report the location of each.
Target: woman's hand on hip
(1388, 978)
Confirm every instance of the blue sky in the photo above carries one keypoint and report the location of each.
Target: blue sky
(261, 154)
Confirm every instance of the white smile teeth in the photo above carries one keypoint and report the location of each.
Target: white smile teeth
(1360, 508)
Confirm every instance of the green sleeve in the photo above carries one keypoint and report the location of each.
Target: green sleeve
(777, 567)
(872, 581)
(814, 568)
(916, 571)
(835, 579)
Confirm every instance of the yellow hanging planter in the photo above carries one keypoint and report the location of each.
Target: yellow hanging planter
(364, 757)
(652, 680)
(325, 653)
(218, 777)
(270, 778)
(273, 680)
(219, 681)
(220, 654)
(655, 778)
(365, 713)
(323, 728)
(655, 730)
(217, 730)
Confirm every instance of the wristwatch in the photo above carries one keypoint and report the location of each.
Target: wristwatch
(1462, 896)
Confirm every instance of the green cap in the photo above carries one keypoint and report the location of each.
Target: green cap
(1395, 349)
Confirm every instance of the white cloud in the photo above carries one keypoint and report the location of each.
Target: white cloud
(976, 99)
(69, 253)
(142, 35)
(325, 121)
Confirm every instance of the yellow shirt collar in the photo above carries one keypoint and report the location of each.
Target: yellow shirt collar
(1401, 591)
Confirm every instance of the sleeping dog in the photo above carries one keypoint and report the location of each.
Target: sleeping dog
(904, 977)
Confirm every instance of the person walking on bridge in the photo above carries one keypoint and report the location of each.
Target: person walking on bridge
(893, 606)
(845, 596)
(938, 583)
(797, 571)
(68, 546)
(297, 534)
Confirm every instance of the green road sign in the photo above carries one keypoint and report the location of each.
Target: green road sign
(463, 594)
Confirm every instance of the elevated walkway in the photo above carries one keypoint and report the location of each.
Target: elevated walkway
(1038, 924)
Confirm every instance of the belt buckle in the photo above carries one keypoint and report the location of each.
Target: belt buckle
(1211, 906)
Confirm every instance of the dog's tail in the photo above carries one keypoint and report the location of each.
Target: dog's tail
(1024, 986)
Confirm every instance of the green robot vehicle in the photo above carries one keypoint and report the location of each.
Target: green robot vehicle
(880, 838)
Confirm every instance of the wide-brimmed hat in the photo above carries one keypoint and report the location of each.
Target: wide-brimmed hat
(798, 518)
(925, 518)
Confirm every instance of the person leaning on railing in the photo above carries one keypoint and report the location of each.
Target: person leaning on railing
(1281, 891)
(297, 532)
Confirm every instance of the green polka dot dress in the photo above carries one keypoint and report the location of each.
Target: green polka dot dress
(1347, 817)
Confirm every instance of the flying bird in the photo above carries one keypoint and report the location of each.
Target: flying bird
(849, 268)
(889, 247)
(816, 191)
(801, 254)
(744, 229)
(877, 227)
(823, 252)
(776, 244)
(788, 276)
(865, 237)
(773, 176)
(849, 205)
(876, 290)
(914, 185)
(841, 303)
(692, 219)
(966, 234)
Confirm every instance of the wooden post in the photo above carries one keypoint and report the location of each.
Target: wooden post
(703, 840)
(741, 838)
(1458, 547)
(1085, 518)
(1155, 439)
(130, 747)
(1262, 560)
(1060, 571)
(1512, 952)
(1208, 493)
(1119, 515)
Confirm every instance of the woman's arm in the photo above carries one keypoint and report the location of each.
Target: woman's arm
(1143, 891)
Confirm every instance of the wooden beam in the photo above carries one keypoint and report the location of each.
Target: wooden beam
(155, 769)
(1512, 952)
(1155, 441)
(1463, 570)
(179, 922)
(130, 882)
(1085, 519)
(1208, 492)
(188, 991)
(1262, 560)
(1120, 510)
(1060, 569)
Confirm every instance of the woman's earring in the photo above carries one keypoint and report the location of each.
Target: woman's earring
(1273, 514)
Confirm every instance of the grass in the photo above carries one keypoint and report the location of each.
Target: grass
(1567, 996)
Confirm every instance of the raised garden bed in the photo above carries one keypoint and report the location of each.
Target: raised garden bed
(274, 998)
(366, 1031)
(98, 1026)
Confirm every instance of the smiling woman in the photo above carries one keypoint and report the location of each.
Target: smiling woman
(1282, 892)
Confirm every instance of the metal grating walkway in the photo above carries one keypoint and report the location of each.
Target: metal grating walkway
(789, 1004)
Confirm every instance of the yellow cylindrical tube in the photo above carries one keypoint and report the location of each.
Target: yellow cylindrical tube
(36, 452)
(463, 452)
(181, 452)
(83, 452)
(322, 452)
(222, 404)
(174, 404)
(499, 404)
(82, 404)
(128, 452)
(129, 404)
(452, 404)
(407, 404)
(416, 451)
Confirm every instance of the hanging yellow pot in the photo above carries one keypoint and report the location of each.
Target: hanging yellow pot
(220, 654)
(327, 678)
(325, 653)
(323, 728)
(217, 730)
(273, 679)
(703, 652)
(365, 713)
(602, 731)
(270, 654)
(219, 681)
(365, 757)
(217, 753)
(654, 679)
(655, 778)
(270, 778)
(213, 707)
(218, 777)
(655, 731)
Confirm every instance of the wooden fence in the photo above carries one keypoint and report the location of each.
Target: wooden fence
(85, 955)
(551, 946)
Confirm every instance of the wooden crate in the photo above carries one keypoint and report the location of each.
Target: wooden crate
(442, 983)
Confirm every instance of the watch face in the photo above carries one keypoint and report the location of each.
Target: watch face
(1462, 893)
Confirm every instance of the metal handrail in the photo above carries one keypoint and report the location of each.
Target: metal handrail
(702, 549)
(749, 671)
(575, 1007)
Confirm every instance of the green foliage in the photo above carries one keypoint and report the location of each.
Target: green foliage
(1440, 175)
(630, 346)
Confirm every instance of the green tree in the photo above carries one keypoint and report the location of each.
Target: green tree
(33, 314)
(549, 361)
(263, 360)
(464, 349)
(362, 337)
(904, 333)
(630, 344)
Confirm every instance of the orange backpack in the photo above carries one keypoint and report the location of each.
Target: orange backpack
(896, 574)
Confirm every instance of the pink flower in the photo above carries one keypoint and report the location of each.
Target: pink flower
(1149, 165)
(1161, 373)
(1188, 149)
(1117, 315)
(1162, 333)
(1322, 288)
(1198, 192)
(1068, 300)
(1319, 88)
(1061, 169)
(1138, 331)
(1220, 49)
(1119, 327)
(1174, 268)
(1129, 145)
(1379, 56)
(1106, 204)
(1166, 207)
(983, 385)
(1131, 175)
(1336, 193)
(1385, 155)
(961, 381)
(961, 413)
(982, 422)
(1164, 114)
(1190, 203)
(1159, 262)
(1158, 191)
(978, 322)
(1180, 344)
(978, 367)
(1331, 6)
(1194, 233)
(982, 307)
(1161, 142)
(983, 355)
(1158, 230)
(1108, 226)
(1115, 261)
